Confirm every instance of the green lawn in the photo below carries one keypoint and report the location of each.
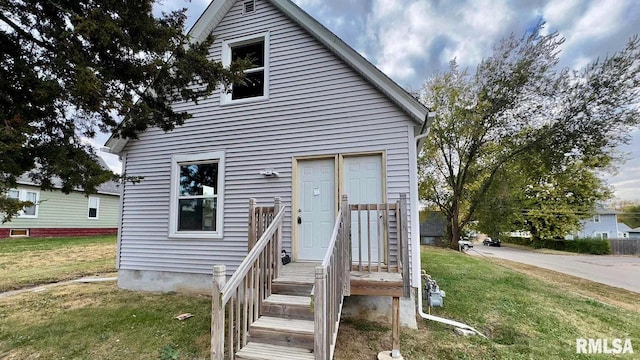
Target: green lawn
(33, 261)
(100, 321)
(526, 314)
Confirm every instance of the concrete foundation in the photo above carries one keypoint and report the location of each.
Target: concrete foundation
(371, 308)
(165, 281)
(378, 308)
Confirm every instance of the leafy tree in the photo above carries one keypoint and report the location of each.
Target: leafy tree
(69, 69)
(517, 106)
(547, 202)
(630, 215)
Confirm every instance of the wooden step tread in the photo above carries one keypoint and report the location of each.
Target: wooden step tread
(259, 351)
(304, 327)
(288, 300)
(294, 279)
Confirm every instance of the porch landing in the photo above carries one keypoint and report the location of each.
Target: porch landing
(301, 276)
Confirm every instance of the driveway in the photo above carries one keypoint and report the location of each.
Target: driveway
(618, 271)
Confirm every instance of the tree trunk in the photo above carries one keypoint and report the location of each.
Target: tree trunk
(454, 224)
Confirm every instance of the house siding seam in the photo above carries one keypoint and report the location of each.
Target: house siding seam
(318, 106)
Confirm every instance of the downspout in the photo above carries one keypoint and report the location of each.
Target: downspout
(424, 131)
(420, 139)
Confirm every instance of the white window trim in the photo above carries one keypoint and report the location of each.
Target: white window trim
(596, 219)
(176, 160)
(14, 236)
(22, 196)
(97, 208)
(225, 98)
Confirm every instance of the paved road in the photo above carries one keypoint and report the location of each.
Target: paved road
(618, 271)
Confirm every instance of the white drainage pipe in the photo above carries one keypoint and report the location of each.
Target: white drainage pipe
(441, 319)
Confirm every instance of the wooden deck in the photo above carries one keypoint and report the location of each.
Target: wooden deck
(362, 282)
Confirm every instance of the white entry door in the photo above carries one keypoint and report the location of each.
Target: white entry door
(316, 213)
(363, 185)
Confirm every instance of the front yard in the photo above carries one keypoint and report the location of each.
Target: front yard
(526, 313)
(34, 261)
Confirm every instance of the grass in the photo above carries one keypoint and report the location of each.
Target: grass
(526, 313)
(100, 321)
(33, 261)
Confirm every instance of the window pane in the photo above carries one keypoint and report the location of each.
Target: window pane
(13, 194)
(197, 214)
(199, 179)
(252, 86)
(33, 197)
(252, 52)
(93, 202)
(93, 212)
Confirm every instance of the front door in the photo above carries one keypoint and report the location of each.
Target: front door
(363, 185)
(315, 215)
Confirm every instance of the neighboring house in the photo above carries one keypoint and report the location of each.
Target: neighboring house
(623, 231)
(58, 214)
(634, 233)
(432, 229)
(602, 225)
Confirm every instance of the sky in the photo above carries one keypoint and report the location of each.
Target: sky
(413, 40)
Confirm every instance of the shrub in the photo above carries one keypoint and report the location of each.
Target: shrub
(583, 246)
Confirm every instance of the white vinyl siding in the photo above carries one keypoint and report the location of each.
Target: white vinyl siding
(317, 105)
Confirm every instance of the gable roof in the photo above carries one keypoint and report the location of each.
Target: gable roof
(107, 188)
(216, 11)
(623, 227)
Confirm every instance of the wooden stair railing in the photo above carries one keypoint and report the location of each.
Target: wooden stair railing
(332, 285)
(236, 303)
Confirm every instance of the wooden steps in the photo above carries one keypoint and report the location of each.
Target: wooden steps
(283, 332)
(292, 287)
(285, 328)
(295, 279)
(259, 351)
(288, 307)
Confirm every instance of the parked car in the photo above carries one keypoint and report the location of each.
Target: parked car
(465, 244)
(491, 242)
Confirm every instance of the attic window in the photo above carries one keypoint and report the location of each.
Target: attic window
(248, 6)
(255, 85)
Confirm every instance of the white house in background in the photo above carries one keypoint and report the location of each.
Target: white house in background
(602, 225)
(623, 231)
(314, 121)
(634, 233)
